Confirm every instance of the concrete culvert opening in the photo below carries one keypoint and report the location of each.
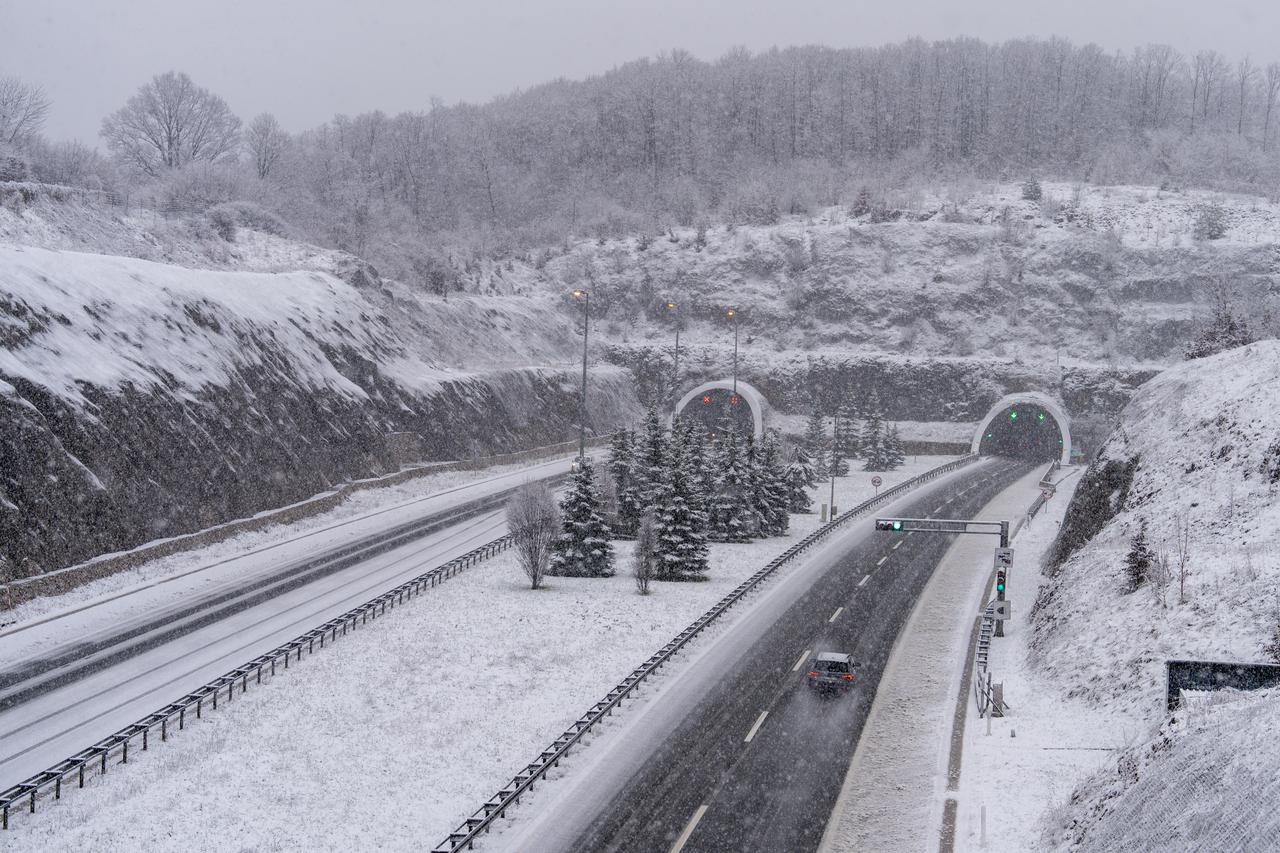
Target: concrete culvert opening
(1023, 431)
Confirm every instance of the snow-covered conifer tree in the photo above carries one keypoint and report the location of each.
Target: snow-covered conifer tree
(894, 454)
(583, 548)
(873, 437)
(776, 487)
(680, 523)
(732, 513)
(815, 441)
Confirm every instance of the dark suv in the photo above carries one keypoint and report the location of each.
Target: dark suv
(831, 671)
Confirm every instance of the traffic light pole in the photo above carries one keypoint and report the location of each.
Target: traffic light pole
(1004, 555)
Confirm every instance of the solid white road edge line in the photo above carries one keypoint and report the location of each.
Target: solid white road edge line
(688, 829)
(756, 727)
(836, 615)
(803, 657)
(864, 580)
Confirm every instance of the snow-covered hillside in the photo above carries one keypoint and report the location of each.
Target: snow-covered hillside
(1094, 275)
(1206, 780)
(1196, 459)
(140, 399)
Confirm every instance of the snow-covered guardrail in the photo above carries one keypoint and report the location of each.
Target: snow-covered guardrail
(96, 758)
(496, 806)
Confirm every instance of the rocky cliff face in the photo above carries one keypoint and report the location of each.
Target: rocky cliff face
(142, 400)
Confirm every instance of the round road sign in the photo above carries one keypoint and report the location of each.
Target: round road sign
(876, 481)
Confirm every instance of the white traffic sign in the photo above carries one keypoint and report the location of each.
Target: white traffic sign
(1002, 609)
(876, 481)
(1004, 558)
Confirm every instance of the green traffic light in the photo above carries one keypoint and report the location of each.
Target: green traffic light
(1040, 416)
(1013, 416)
(897, 525)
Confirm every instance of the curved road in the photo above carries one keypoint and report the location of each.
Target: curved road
(759, 762)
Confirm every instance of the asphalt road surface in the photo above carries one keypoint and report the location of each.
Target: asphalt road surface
(758, 764)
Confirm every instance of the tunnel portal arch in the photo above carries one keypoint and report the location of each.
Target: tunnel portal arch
(1033, 398)
(710, 401)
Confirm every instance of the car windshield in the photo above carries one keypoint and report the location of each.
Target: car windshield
(831, 666)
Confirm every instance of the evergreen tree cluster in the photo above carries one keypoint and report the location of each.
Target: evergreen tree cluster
(727, 488)
(855, 433)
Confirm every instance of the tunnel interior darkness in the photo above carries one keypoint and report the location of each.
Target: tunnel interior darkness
(716, 408)
(1023, 431)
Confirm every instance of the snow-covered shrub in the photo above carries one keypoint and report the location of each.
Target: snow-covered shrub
(1031, 190)
(1211, 222)
(223, 220)
(247, 214)
(1225, 331)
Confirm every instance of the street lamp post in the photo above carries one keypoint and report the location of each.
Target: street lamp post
(733, 315)
(835, 431)
(582, 401)
(675, 370)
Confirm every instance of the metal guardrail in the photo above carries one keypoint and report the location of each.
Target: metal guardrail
(96, 756)
(496, 806)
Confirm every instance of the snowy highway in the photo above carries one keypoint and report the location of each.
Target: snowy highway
(757, 762)
(71, 678)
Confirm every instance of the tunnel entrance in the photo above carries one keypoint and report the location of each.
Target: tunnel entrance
(715, 409)
(716, 405)
(1023, 431)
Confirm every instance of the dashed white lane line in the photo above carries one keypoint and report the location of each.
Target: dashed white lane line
(882, 559)
(688, 829)
(756, 727)
(864, 580)
(804, 656)
(836, 615)
(896, 545)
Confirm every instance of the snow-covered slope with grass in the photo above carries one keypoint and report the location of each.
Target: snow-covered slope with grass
(1204, 435)
(1206, 780)
(1196, 459)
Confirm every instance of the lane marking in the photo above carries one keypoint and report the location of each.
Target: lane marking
(804, 656)
(755, 728)
(864, 580)
(882, 559)
(836, 615)
(896, 545)
(688, 829)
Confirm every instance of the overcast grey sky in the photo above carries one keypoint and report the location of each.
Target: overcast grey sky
(306, 60)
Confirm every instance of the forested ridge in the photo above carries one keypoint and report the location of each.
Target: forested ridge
(745, 138)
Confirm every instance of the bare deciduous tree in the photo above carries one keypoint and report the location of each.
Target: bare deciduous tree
(266, 142)
(169, 122)
(1182, 548)
(645, 561)
(533, 519)
(23, 109)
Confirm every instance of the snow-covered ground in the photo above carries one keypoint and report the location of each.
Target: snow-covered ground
(399, 732)
(893, 793)
(1047, 742)
(1097, 764)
